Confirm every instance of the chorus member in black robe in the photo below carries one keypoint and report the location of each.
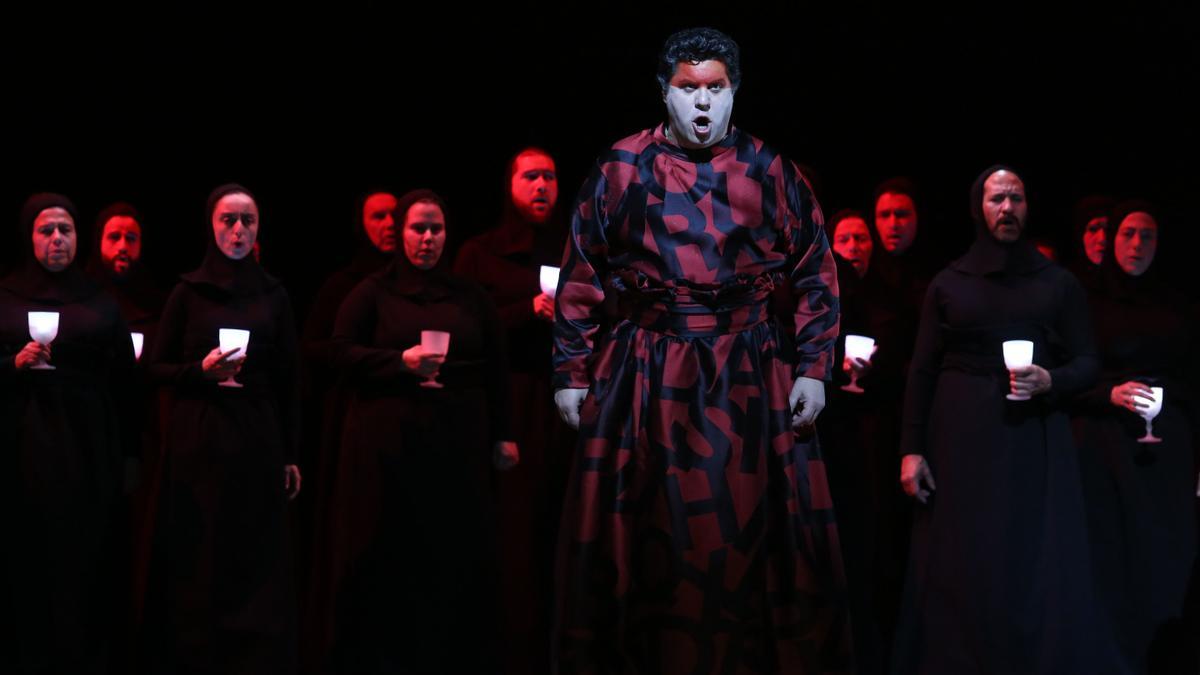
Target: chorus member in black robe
(999, 579)
(861, 464)
(376, 234)
(116, 265)
(1140, 497)
(66, 433)
(1090, 220)
(886, 306)
(506, 261)
(416, 559)
(230, 601)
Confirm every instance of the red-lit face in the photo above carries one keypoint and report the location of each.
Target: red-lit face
(424, 234)
(852, 241)
(699, 102)
(1135, 243)
(379, 221)
(896, 222)
(1094, 239)
(534, 186)
(235, 225)
(54, 238)
(1004, 206)
(120, 244)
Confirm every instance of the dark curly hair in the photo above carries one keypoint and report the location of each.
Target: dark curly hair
(698, 44)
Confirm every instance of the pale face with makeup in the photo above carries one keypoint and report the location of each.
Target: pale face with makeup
(699, 101)
(235, 225)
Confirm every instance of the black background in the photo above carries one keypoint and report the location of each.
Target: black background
(309, 105)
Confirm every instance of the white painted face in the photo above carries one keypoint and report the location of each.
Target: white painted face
(699, 101)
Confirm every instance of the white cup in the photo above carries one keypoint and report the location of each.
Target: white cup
(43, 329)
(548, 277)
(1018, 354)
(138, 340)
(233, 338)
(860, 347)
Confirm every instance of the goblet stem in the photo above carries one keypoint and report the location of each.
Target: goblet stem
(853, 387)
(1149, 437)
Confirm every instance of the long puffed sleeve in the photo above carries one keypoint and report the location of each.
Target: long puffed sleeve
(580, 295)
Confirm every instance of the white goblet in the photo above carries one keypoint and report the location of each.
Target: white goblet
(138, 340)
(857, 347)
(434, 342)
(43, 328)
(1153, 407)
(1017, 354)
(548, 277)
(233, 338)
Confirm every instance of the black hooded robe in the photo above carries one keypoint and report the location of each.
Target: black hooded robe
(229, 596)
(414, 559)
(1140, 497)
(66, 432)
(999, 578)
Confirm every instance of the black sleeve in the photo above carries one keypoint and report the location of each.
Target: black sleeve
(511, 315)
(317, 342)
(496, 354)
(922, 375)
(125, 386)
(352, 334)
(1074, 327)
(166, 362)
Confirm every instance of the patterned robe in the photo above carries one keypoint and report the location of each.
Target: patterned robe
(698, 533)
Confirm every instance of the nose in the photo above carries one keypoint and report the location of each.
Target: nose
(703, 98)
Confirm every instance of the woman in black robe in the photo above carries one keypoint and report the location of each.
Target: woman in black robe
(999, 579)
(859, 474)
(66, 433)
(1140, 497)
(415, 552)
(506, 261)
(230, 601)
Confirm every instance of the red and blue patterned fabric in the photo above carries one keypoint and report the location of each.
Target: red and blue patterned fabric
(698, 532)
